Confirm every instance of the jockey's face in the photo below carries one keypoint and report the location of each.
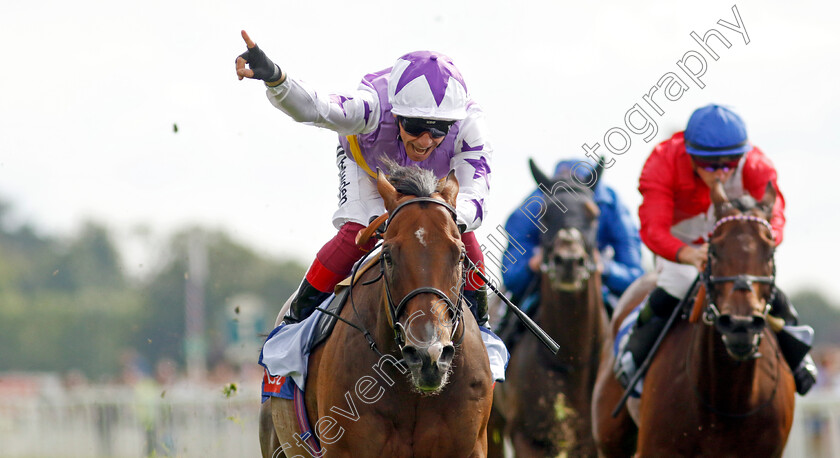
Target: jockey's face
(419, 147)
(710, 177)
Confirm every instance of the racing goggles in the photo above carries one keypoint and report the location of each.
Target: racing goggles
(725, 163)
(418, 126)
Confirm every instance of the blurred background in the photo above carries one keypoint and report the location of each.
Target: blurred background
(155, 212)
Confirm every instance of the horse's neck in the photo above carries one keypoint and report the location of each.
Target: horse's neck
(721, 381)
(575, 319)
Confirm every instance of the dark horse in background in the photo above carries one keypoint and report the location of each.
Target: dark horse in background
(543, 407)
(436, 401)
(718, 386)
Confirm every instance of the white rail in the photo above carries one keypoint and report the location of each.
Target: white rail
(121, 422)
(126, 423)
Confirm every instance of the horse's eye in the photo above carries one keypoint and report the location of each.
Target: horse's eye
(386, 256)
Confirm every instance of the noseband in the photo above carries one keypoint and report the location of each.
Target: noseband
(742, 282)
(395, 311)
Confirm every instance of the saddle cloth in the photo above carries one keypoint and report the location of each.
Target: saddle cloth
(285, 353)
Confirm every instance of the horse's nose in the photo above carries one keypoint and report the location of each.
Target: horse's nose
(435, 354)
(727, 324)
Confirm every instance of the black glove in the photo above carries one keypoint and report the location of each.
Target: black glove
(263, 68)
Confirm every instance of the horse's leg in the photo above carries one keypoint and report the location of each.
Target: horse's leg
(285, 429)
(613, 436)
(496, 429)
(269, 441)
(268, 438)
(524, 446)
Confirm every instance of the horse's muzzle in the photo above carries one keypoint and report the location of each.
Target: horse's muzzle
(568, 273)
(741, 335)
(429, 365)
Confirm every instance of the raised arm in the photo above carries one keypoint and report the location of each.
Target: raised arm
(346, 113)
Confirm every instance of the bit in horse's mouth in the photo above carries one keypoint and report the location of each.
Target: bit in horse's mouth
(742, 349)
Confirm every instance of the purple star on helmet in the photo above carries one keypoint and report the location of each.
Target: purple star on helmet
(339, 100)
(437, 68)
(482, 169)
(479, 209)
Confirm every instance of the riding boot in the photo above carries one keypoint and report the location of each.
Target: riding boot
(643, 334)
(477, 300)
(304, 303)
(331, 265)
(795, 343)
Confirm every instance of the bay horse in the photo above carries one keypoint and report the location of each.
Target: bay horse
(543, 407)
(718, 386)
(418, 384)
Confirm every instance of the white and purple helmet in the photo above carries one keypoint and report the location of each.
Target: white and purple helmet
(426, 84)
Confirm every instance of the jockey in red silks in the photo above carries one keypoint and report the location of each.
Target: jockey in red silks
(676, 214)
(416, 113)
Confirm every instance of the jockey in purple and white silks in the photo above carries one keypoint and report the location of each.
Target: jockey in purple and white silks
(416, 113)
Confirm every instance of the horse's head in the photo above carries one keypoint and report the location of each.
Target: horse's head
(423, 266)
(740, 272)
(569, 244)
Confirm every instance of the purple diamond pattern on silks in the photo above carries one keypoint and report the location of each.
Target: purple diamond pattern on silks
(339, 100)
(482, 169)
(367, 111)
(479, 208)
(437, 69)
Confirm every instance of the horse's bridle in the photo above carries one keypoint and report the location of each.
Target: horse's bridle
(395, 311)
(548, 265)
(742, 281)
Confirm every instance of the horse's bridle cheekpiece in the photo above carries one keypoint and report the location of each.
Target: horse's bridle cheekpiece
(395, 311)
(742, 281)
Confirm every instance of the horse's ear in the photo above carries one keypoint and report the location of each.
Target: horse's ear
(538, 175)
(386, 190)
(719, 199)
(769, 199)
(599, 169)
(450, 188)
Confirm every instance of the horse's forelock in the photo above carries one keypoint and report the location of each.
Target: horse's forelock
(744, 203)
(412, 180)
(575, 213)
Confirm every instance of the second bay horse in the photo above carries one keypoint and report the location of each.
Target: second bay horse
(718, 385)
(543, 407)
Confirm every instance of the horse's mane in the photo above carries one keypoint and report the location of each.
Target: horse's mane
(411, 180)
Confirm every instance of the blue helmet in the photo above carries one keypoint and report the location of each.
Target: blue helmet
(583, 172)
(715, 130)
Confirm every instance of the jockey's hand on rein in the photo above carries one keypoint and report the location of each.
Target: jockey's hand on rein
(261, 67)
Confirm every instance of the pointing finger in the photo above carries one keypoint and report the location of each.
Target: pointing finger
(248, 41)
